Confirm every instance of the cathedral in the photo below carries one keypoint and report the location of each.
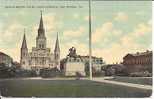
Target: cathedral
(40, 56)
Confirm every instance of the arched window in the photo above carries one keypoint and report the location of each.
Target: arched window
(42, 46)
(39, 45)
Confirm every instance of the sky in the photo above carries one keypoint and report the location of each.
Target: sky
(118, 27)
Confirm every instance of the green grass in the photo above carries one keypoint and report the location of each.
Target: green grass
(67, 88)
(135, 80)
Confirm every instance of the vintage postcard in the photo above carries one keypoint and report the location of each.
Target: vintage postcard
(76, 48)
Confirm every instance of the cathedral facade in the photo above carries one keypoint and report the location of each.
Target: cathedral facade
(40, 57)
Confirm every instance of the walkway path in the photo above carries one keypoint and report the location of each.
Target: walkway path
(38, 78)
(147, 87)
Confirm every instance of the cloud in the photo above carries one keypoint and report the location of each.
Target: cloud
(104, 32)
(142, 29)
(101, 32)
(76, 15)
(118, 50)
(110, 55)
(12, 29)
(74, 33)
(13, 52)
(140, 13)
(121, 16)
(1, 26)
(10, 39)
(150, 22)
(51, 23)
(126, 44)
(11, 32)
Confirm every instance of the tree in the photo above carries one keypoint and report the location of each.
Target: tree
(5, 71)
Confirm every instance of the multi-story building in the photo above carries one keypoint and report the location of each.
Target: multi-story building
(5, 59)
(40, 56)
(138, 61)
(97, 62)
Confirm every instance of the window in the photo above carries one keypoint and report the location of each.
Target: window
(78, 60)
(39, 45)
(23, 62)
(29, 62)
(101, 61)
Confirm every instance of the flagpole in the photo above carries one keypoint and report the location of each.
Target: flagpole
(90, 46)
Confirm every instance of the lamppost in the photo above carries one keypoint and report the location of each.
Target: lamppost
(90, 45)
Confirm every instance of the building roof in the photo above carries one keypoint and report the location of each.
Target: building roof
(138, 54)
(142, 53)
(1, 53)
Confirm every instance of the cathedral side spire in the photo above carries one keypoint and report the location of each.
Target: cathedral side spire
(57, 49)
(24, 52)
(57, 53)
(24, 43)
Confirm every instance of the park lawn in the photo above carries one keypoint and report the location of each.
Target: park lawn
(135, 80)
(67, 88)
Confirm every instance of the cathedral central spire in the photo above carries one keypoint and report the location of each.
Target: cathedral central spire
(41, 22)
(41, 39)
(41, 31)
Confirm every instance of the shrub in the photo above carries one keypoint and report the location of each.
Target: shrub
(141, 74)
(45, 73)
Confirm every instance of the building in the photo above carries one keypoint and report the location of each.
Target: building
(76, 63)
(40, 57)
(138, 62)
(5, 59)
(97, 62)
